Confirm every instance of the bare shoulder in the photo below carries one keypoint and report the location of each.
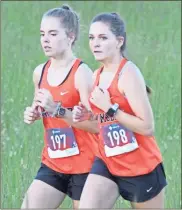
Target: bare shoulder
(38, 69)
(84, 69)
(131, 70)
(83, 76)
(130, 74)
(37, 73)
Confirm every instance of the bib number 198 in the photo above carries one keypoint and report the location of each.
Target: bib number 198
(117, 139)
(117, 136)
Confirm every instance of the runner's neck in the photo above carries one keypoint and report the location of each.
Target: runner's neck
(62, 62)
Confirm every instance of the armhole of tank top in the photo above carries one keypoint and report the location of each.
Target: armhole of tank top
(124, 68)
(70, 72)
(120, 74)
(43, 69)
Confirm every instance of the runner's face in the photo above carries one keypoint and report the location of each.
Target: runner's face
(54, 40)
(103, 43)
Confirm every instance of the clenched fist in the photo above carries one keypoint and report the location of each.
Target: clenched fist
(31, 114)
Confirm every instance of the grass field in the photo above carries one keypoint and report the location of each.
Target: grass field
(154, 44)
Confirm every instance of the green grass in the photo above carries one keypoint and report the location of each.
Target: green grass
(154, 44)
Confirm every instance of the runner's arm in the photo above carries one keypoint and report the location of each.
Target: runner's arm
(36, 77)
(83, 83)
(133, 85)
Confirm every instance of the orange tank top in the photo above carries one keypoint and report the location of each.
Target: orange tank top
(66, 149)
(124, 152)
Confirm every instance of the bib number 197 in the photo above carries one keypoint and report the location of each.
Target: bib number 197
(58, 141)
(61, 142)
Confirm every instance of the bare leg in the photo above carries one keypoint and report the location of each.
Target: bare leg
(98, 192)
(42, 195)
(76, 204)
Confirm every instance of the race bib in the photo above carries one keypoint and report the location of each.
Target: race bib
(61, 143)
(117, 139)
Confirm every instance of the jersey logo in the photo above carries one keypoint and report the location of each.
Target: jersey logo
(63, 93)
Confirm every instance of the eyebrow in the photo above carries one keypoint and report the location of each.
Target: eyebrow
(50, 31)
(99, 34)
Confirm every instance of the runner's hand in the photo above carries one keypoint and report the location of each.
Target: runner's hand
(80, 113)
(31, 114)
(101, 99)
(44, 99)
